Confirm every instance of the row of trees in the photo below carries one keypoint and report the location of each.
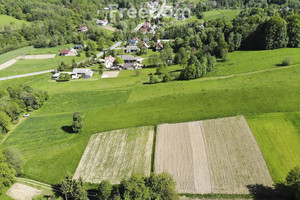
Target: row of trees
(16, 99)
(157, 186)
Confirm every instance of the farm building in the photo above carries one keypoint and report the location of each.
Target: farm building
(78, 46)
(76, 74)
(102, 22)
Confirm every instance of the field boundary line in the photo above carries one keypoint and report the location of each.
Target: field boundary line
(153, 150)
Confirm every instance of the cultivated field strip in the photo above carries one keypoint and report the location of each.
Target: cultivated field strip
(180, 150)
(116, 155)
(234, 157)
(212, 156)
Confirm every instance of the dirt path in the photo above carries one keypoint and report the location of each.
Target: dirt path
(36, 57)
(8, 64)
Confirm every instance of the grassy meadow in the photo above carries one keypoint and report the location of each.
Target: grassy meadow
(12, 22)
(16, 53)
(28, 66)
(221, 14)
(278, 135)
(109, 104)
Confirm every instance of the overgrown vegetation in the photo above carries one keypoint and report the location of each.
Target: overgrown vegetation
(16, 99)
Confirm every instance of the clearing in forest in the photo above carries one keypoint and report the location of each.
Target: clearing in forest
(116, 155)
(211, 156)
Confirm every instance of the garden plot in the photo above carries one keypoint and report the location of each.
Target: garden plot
(116, 155)
(110, 74)
(212, 156)
(180, 150)
(20, 191)
(234, 157)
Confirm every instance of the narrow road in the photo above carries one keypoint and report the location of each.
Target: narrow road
(25, 75)
(110, 48)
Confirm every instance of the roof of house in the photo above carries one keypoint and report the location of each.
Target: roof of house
(128, 57)
(81, 71)
(83, 28)
(144, 29)
(131, 48)
(159, 45)
(78, 46)
(65, 51)
(110, 58)
(147, 24)
(146, 45)
(73, 50)
(136, 38)
(128, 65)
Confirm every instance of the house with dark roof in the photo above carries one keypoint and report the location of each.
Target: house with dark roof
(78, 46)
(128, 58)
(159, 46)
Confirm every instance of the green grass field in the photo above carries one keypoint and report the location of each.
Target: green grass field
(278, 136)
(249, 61)
(14, 23)
(123, 102)
(28, 66)
(13, 54)
(220, 14)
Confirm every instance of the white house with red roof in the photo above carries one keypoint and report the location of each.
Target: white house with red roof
(109, 62)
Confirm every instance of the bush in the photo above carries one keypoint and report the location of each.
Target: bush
(167, 77)
(14, 157)
(64, 77)
(161, 69)
(153, 79)
(188, 73)
(286, 61)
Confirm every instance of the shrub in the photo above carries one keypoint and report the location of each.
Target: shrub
(14, 157)
(153, 79)
(64, 77)
(104, 190)
(286, 61)
(167, 77)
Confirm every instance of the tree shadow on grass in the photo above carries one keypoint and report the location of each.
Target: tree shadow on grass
(67, 129)
(262, 192)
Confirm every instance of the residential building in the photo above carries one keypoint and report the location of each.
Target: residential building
(159, 46)
(83, 29)
(109, 62)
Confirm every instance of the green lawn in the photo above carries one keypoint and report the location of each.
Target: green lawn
(217, 14)
(14, 23)
(109, 104)
(28, 66)
(278, 136)
(249, 61)
(13, 54)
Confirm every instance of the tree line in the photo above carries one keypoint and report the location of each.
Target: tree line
(15, 100)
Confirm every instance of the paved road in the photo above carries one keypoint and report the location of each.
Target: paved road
(110, 48)
(25, 75)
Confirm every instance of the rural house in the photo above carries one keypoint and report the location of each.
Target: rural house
(83, 29)
(103, 22)
(67, 52)
(128, 58)
(109, 62)
(145, 45)
(78, 46)
(131, 49)
(159, 46)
